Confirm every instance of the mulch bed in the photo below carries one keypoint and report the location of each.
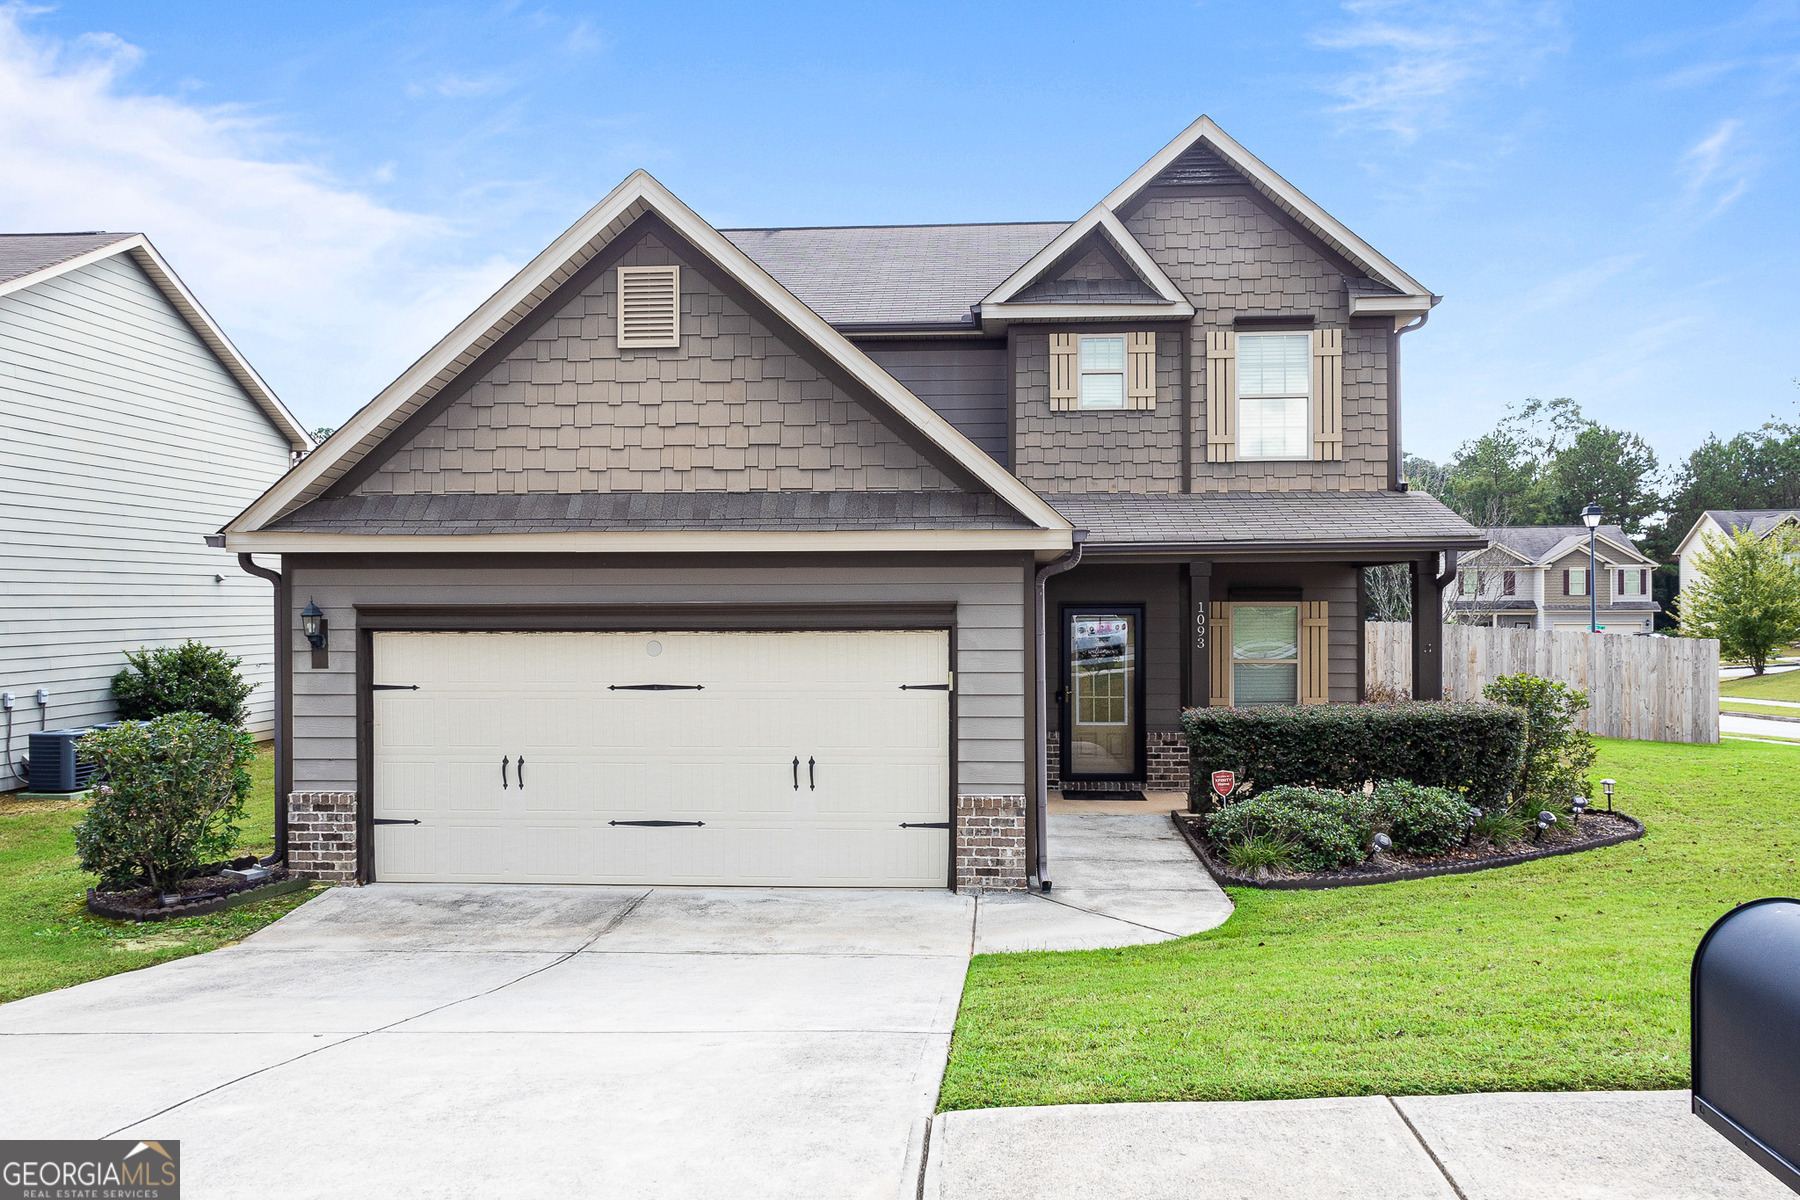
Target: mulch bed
(210, 892)
(1595, 830)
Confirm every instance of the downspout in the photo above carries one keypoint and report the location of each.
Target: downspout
(1396, 469)
(1041, 850)
(281, 687)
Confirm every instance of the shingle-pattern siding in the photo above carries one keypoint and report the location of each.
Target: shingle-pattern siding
(1088, 451)
(1232, 258)
(615, 511)
(964, 382)
(732, 409)
(1090, 279)
(1263, 518)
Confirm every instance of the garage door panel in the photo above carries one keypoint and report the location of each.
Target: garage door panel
(599, 752)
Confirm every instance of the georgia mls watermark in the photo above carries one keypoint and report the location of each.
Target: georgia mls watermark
(90, 1170)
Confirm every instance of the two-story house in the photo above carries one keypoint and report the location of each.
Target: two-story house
(1539, 577)
(1717, 523)
(815, 556)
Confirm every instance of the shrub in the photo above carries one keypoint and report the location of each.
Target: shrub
(1422, 820)
(1260, 852)
(1472, 748)
(1558, 756)
(1326, 829)
(172, 798)
(191, 677)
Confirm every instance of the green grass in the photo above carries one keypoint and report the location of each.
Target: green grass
(1752, 708)
(1569, 973)
(1784, 686)
(47, 938)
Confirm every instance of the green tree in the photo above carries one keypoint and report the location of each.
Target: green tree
(1759, 468)
(1746, 593)
(1558, 756)
(1613, 468)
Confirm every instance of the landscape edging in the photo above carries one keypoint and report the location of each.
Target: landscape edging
(268, 891)
(1227, 876)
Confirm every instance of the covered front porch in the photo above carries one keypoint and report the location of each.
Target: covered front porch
(1194, 600)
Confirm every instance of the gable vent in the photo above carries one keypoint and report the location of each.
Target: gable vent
(649, 307)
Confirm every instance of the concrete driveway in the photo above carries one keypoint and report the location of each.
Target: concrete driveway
(416, 1040)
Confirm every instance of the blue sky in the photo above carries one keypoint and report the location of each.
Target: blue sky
(1604, 194)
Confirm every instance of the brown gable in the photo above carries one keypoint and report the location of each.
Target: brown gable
(732, 408)
(1092, 273)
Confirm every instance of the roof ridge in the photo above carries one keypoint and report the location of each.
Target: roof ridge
(903, 225)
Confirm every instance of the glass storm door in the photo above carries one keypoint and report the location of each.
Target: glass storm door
(1101, 693)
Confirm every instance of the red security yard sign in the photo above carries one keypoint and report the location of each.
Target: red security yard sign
(1223, 782)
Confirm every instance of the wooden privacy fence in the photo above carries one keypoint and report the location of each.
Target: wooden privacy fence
(1646, 688)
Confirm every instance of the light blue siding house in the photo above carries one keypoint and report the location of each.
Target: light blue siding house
(133, 428)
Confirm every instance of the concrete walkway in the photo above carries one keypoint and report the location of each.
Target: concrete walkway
(1518, 1146)
(1742, 725)
(440, 1041)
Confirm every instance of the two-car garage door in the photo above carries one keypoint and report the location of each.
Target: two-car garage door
(792, 758)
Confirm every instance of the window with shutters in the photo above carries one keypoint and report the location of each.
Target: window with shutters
(1575, 581)
(1634, 581)
(1265, 654)
(1102, 372)
(649, 307)
(1274, 395)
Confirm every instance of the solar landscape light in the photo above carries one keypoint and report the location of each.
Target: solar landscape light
(1545, 820)
(1578, 805)
(1606, 785)
(1383, 842)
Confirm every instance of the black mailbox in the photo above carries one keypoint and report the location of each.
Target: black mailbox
(1745, 1009)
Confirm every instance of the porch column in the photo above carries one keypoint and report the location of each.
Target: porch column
(1428, 630)
(1197, 667)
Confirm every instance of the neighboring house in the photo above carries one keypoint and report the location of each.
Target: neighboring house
(1722, 522)
(712, 557)
(133, 428)
(1538, 577)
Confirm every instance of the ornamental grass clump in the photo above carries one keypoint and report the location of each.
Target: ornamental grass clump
(171, 799)
(1326, 830)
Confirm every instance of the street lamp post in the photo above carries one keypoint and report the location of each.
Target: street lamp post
(1590, 516)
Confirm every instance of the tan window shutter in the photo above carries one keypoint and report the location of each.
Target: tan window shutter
(1328, 395)
(1315, 654)
(649, 307)
(1219, 617)
(1140, 370)
(1065, 372)
(1221, 396)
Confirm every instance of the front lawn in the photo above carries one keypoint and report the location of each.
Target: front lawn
(47, 938)
(1784, 685)
(1567, 973)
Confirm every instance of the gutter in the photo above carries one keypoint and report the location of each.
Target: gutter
(280, 673)
(1396, 477)
(1041, 805)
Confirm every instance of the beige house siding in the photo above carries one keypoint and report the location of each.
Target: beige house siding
(1077, 451)
(1232, 259)
(731, 409)
(126, 442)
(989, 592)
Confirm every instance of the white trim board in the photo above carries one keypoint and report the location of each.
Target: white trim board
(639, 194)
(1097, 219)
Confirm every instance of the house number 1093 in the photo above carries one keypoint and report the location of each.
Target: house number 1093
(1199, 626)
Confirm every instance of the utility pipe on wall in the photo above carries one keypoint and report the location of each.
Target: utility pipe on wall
(281, 686)
(1041, 805)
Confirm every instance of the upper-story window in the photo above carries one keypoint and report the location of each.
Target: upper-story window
(1102, 372)
(1575, 581)
(1274, 385)
(1634, 581)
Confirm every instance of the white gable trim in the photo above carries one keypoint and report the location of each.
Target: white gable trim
(640, 193)
(205, 328)
(1292, 201)
(1046, 543)
(1579, 541)
(1099, 218)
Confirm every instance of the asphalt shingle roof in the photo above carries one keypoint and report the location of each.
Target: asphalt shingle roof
(1757, 520)
(1240, 519)
(603, 512)
(24, 254)
(894, 274)
(1537, 541)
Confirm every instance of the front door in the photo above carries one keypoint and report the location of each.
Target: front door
(1102, 710)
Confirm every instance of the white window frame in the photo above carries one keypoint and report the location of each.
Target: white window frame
(1082, 373)
(1299, 649)
(1587, 583)
(1638, 579)
(1305, 398)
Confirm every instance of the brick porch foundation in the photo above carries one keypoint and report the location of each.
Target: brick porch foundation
(322, 835)
(1165, 768)
(990, 843)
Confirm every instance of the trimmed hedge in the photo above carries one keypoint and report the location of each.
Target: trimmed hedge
(1472, 748)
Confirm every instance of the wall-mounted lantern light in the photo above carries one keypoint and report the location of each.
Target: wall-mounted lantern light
(318, 634)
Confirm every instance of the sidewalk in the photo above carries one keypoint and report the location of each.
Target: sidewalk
(1503, 1146)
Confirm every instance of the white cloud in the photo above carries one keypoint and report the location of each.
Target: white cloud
(1719, 166)
(1422, 58)
(328, 290)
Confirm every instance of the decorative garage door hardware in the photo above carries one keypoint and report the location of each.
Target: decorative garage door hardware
(924, 824)
(520, 767)
(656, 824)
(656, 687)
(812, 784)
(394, 687)
(393, 821)
(924, 687)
